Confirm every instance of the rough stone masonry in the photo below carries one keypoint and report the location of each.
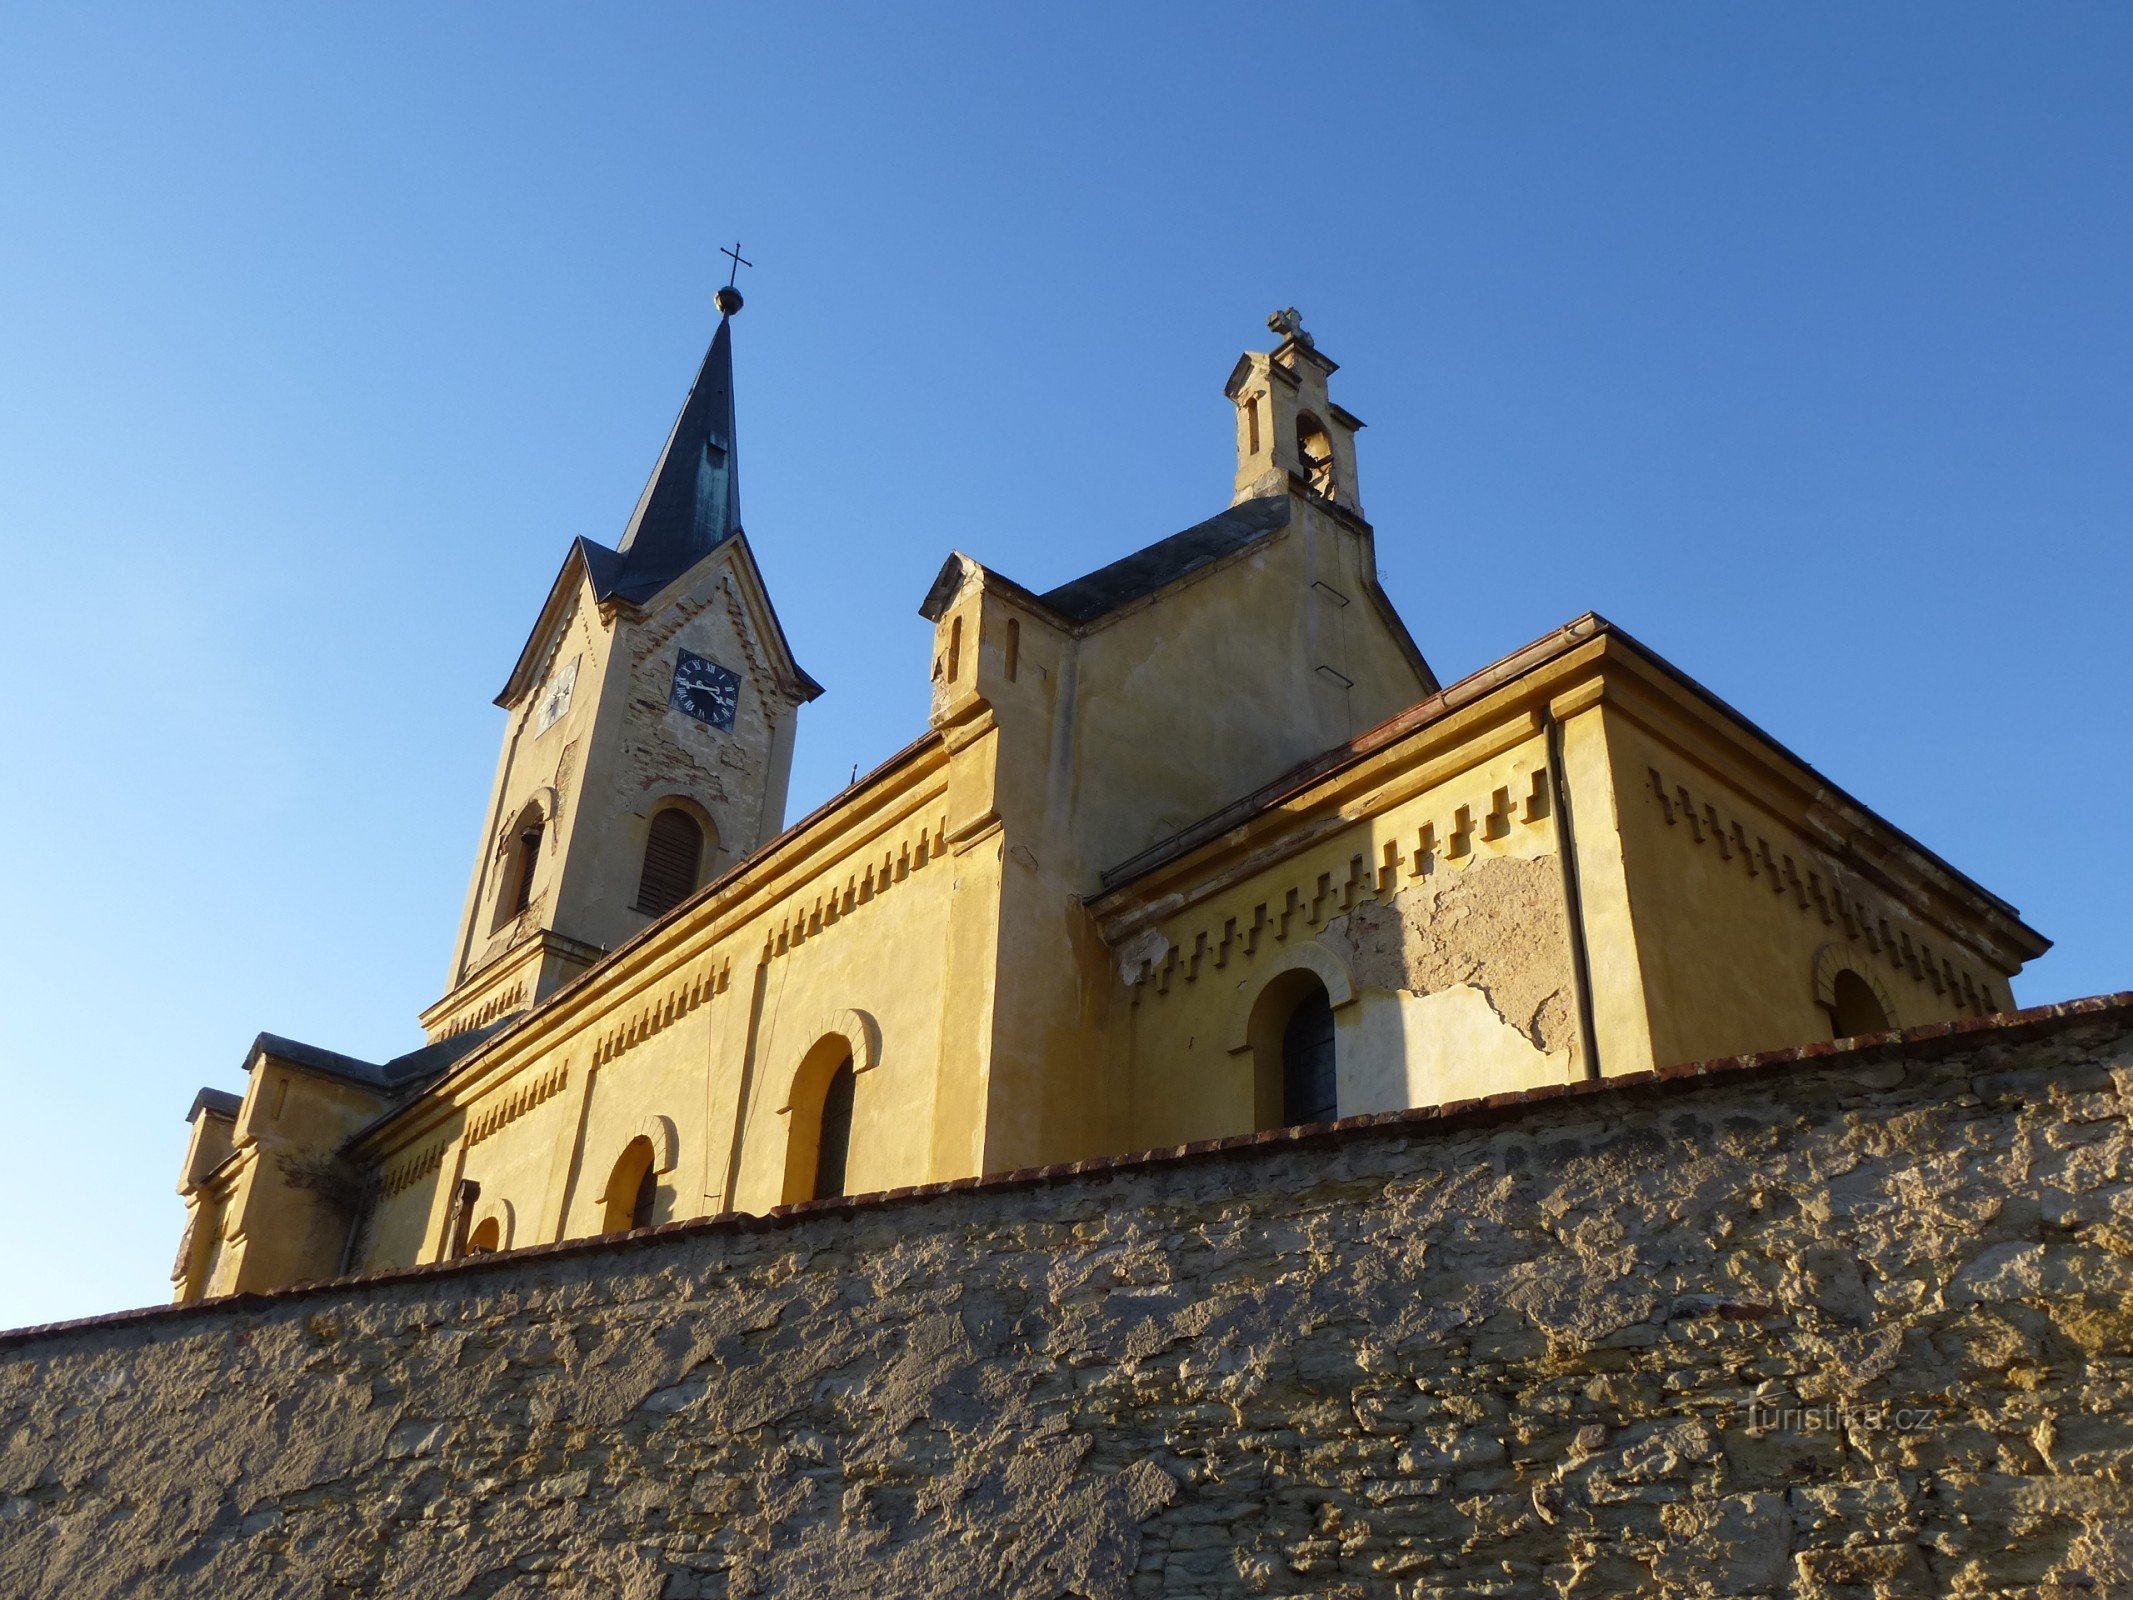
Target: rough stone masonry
(1821, 1323)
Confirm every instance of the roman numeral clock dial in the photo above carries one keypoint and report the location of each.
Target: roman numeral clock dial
(705, 690)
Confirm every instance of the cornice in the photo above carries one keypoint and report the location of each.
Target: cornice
(1588, 661)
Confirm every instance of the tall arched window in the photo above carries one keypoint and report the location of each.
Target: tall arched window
(632, 1189)
(1314, 448)
(1308, 1093)
(818, 1138)
(1854, 1008)
(835, 1144)
(1291, 1038)
(529, 859)
(522, 860)
(673, 854)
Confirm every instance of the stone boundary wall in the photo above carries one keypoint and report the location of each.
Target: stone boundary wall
(1828, 1322)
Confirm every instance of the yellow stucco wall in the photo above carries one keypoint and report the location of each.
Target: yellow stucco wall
(1423, 892)
(706, 1023)
(273, 1210)
(1750, 883)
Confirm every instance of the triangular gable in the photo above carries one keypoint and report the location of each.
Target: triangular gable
(755, 598)
(587, 567)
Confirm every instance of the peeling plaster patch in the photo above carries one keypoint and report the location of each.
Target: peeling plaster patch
(1145, 949)
(662, 762)
(1496, 927)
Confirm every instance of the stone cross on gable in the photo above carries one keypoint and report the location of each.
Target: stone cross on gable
(1289, 324)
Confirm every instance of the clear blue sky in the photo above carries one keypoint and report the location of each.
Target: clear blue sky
(1796, 338)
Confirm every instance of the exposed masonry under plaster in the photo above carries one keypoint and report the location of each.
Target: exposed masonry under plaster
(565, 761)
(1707, 824)
(654, 637)
(1455, 845)
(1498, 928)
(660, 759)
(758, 669)
(518, 928)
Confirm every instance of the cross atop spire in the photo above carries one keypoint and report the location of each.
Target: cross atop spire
(728, 300)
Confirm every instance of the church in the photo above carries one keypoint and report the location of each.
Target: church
(1192, 846)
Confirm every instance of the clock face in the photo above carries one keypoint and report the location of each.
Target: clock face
(555, 698)
(707, 691)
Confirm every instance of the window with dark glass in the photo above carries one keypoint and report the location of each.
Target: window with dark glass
(645, 1199)
(836, 1141)
(1307, 1083)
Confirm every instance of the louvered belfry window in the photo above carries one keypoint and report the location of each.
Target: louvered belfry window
(673, 849)
(529, 858)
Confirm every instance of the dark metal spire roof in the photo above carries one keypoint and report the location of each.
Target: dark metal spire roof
(691, 507)
(693, 502)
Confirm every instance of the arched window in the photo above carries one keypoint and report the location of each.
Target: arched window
(486, 1239)
(1307, 1085)
(673, 853)
(1854, 1008)
(818, 1138)
(1314, 448)
(529, 859)
(1291, 1036)
(835, 1143)
(632, 1189)
(522, 861)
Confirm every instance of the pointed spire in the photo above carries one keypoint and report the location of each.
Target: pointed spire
(693, 502)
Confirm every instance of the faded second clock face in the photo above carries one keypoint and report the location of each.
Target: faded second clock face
(555, 697)
(707, 691)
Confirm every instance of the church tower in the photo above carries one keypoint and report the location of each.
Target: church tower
(1288, 430)
(650, 738)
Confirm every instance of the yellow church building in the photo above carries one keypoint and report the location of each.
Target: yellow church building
(1194, 845)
